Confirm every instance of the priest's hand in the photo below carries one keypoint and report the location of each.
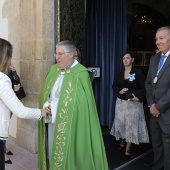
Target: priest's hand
(48, 109)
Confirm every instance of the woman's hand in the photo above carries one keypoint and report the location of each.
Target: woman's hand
(43, 113)
(11, 67)
(134, 98)
(124, 90)
(46, 111)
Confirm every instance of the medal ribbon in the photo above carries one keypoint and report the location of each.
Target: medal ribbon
(161, 63)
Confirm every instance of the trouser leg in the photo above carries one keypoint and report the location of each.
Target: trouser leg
(166, 143)
(4, 146)
(2, 159)
(157, 144)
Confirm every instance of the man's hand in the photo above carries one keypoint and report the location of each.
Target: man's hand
(154, 111)
(48, 109)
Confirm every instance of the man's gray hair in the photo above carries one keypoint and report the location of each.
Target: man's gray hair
(164, 28)
(68, 46)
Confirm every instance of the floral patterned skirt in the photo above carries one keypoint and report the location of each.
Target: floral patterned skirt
(129, 122)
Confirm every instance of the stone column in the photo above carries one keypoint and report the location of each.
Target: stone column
(31, 31)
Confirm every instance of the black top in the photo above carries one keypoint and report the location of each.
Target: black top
(135, 84)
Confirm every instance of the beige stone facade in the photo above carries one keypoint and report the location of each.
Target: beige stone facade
(31, 31)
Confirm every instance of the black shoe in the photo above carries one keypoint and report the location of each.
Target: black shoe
(9, 153)
(148, 164)
(8, 161)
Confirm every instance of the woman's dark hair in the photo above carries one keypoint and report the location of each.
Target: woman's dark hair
(127, 52)
(5, 55)
(78, 56)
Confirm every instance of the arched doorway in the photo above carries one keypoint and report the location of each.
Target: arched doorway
(143, 28)
(142, 36)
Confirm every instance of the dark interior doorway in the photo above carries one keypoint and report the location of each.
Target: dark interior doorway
(143, 23)
(142, 42)
(142, 35)
(142, 31)
(143, 28)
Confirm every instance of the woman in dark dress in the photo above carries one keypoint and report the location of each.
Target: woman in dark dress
(129, 124)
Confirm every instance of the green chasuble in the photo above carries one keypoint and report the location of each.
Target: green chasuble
(78, 142)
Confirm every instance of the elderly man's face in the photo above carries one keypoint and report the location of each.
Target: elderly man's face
(163, 41)
(63, 58)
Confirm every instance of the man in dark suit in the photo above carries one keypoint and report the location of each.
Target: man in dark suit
(158, 97)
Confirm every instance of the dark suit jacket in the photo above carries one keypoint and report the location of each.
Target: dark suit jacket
(136, 87)
(159, 93)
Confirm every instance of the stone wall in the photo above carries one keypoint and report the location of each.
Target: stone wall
(31, 31)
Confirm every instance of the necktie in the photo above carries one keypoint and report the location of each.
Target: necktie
(161, 63)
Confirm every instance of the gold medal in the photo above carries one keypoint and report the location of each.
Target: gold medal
(155, 80)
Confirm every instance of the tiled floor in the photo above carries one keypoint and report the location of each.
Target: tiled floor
(22, 159)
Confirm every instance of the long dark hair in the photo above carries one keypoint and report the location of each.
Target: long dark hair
(5, 55)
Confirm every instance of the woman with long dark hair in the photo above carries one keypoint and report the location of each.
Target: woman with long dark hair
(8, 100)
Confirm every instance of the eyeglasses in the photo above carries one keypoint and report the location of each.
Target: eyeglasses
(59, 54)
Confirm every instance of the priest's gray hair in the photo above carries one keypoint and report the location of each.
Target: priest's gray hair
(68, 46)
